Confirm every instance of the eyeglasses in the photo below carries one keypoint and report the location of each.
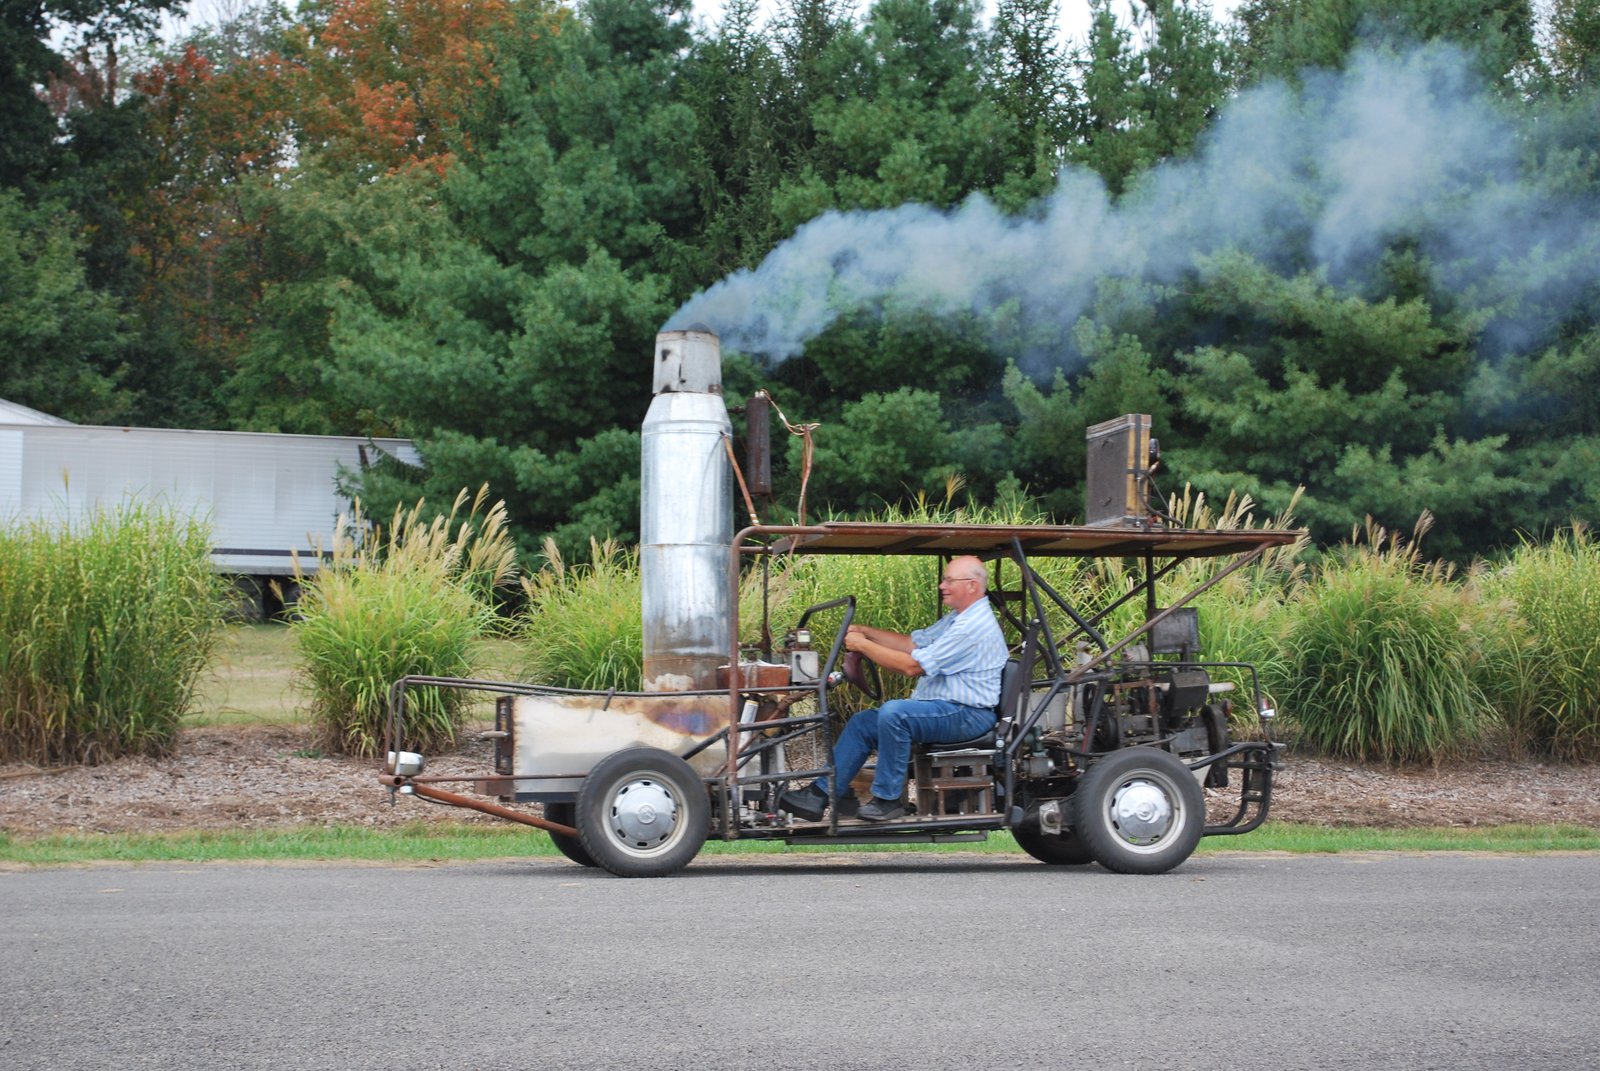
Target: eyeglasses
(959, 580)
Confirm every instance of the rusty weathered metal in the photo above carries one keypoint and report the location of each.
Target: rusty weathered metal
(678, 712)
(489, 786)
(1104, 657)
(455, 799)
(505, 738)
(772, 708)
(756, 675)
(758, 443)
(989, 541)
(560, 736)
(1117, 490)
(995, 540)
(560, 733)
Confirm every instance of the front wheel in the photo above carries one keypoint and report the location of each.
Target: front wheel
(1139, 811)
(642, 813)
(1067, 849)
(571, 847)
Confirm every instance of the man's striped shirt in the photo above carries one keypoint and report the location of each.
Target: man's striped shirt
(961, 656)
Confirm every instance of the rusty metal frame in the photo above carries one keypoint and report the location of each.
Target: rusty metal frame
(994, 543)
(455, 799)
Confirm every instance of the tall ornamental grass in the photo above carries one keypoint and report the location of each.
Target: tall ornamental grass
(1242, 617)
(582, 626)
(902, 592)
(105, 627)
(413, 602)
(1542, 634)
(1380, 656)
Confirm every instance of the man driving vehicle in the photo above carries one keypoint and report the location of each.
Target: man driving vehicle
(957, 661)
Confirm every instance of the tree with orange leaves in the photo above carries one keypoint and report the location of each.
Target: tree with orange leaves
(382, 84)
(250, 124)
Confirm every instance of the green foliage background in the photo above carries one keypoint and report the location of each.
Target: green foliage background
(1372, 654)
(415, 602)
(106, 624)
(465, 222)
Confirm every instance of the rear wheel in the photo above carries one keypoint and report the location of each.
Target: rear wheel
(643, 813)
(1139, 811)
(1063, 850)
(571, 847)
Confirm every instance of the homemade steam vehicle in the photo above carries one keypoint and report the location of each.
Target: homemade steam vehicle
(1102, 746)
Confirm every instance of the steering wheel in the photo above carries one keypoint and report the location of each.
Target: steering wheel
(855, 667)
(862, 672)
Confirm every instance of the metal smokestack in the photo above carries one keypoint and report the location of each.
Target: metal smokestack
(685, 515)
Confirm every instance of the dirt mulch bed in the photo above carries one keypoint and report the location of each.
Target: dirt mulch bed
(234, 777)
(259, 777)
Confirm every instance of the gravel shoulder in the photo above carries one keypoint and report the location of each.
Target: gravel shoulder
(266, 777)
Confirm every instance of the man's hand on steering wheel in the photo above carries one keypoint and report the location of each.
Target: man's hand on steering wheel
(862, 672)
(859, 669)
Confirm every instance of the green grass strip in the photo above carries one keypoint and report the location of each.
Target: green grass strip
(421, 844)
(1304, 840)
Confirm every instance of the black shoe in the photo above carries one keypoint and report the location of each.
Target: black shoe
(880, 810)
(805, 803)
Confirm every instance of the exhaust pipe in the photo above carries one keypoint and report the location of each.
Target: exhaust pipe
(685, 515)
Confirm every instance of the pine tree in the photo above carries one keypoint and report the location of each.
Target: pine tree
(1028, 76)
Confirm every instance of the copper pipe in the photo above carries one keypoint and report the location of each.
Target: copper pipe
(455, 799)
(749, 503)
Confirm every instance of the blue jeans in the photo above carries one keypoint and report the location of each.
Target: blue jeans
(890, 730)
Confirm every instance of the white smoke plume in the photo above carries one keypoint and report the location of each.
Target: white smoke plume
(1323, 176)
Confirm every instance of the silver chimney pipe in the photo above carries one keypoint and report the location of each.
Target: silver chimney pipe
(685, 515)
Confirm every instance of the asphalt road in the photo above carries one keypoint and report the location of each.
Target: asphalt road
(904, 962)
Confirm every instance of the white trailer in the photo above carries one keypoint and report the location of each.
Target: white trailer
(268, 497)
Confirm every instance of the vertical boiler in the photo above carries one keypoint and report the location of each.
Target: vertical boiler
(685, 514)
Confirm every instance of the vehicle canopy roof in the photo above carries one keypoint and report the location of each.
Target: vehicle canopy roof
(997, 540)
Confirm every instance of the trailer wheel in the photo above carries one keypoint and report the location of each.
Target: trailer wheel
(1066, 849)
(571, 847)
(1139, 811)
(643, 813)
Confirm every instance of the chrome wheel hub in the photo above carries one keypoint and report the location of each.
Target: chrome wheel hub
(644, 814)
(1142, 812)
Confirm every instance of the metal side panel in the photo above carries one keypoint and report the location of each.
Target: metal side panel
(568, 734)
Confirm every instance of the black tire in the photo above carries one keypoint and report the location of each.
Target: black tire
(1139, 811)
(1067, 849)
(643, 813)
(571, 847)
